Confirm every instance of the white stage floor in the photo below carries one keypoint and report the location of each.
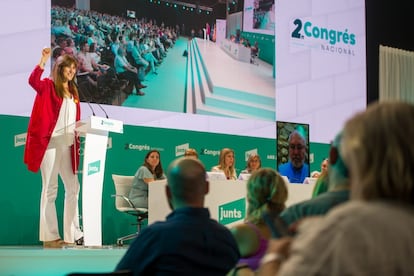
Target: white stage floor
(220, 85)
(228, 72)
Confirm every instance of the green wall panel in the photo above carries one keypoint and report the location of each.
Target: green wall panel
(20, 197)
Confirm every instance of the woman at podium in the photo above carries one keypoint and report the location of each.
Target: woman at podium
(53, 146)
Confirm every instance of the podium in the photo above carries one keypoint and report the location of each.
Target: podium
(205, 33)
(95, 130)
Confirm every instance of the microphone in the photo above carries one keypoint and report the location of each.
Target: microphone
(103, 110)
(84, 92)
(90, 106)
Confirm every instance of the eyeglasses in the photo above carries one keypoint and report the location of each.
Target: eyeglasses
(298, 146)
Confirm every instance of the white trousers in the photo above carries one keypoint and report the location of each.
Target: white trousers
(57, 161)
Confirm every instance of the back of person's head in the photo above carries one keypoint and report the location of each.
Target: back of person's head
(378, 149)
(191, 153)
(338, 175)
(187, 184)
(266, 190)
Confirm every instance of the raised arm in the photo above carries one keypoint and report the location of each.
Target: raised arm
(45, 56)
(34, 79)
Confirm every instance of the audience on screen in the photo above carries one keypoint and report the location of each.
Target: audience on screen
(149, 171)
(71, 27)
(372, 233)
(296, 170)
(133, 53)
(266, 191)
(147, 51)
(189, 242)
(95, 54)
(226, 164)
(87, 63)
(128, 72)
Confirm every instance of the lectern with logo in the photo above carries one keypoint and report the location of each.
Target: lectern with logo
(95, 130)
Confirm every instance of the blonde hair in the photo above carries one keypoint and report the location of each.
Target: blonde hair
(266, 190)
(249, 161)
(229, 171)
(377, 148)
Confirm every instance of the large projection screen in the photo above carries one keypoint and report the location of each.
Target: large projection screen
(317, 82)
(320, 63)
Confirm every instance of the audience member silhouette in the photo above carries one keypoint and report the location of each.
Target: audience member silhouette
(189, 242)
(266, 191)
(191, 153)
(372, 233)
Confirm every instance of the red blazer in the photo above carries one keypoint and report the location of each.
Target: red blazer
(43, 120)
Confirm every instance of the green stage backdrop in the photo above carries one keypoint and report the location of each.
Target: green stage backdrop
(20, 196)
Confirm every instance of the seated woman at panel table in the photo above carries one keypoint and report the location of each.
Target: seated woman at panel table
(266, 191)
(150, 171)
(253, 164)
(226, 164)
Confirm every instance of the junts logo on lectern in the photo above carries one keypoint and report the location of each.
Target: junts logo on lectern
(94, 167)
(232, 211)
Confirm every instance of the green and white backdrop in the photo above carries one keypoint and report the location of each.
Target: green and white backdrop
(20, 197)
(319, 80)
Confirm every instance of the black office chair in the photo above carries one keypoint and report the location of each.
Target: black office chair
(123, 204)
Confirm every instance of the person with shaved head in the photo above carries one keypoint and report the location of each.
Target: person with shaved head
(189, 242)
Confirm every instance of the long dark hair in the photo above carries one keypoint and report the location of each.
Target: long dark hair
(158, 171)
